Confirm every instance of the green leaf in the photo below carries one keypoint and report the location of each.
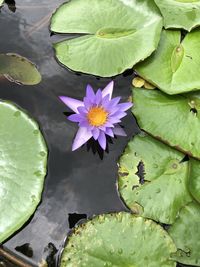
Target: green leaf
(194, 181)
(23, 161)
(159, 191)
(19, 69)
(116, 34)
(173, 67)
(185, 232)
(180, 13)
(118, 240)
(173, 119)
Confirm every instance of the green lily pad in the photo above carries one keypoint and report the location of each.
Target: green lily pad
(159, 191)
(186, 232)
(194, 181)
(23, 161)
(116, 34)
(118, 240)
(173, 119)
(173, 67)
(19, 69)
(180, 13)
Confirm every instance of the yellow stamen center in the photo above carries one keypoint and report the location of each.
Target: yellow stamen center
(97, 116)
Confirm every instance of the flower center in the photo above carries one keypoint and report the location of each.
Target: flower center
(97, 116)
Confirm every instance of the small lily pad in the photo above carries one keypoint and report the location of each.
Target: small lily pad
(19, 69)
(116, 34)
(173, 67)
(173, 119)
(186, 232)
(119, 239)
(23, 158)
(152, 179)
(180, 13)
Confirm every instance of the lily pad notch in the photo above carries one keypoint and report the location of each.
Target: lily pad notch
(116, 34)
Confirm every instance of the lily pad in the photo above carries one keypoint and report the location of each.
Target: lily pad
(152, 179)
(173, 67)
(118, 240)
(180, 13)
(116, 34)
(185, 232)
(194, 181)
(19, 69)
(173, 119)
(23, 161)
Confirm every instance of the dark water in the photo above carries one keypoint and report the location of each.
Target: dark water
(77, 182)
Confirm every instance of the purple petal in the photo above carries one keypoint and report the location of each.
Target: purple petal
(114, 120)
(72, 103)
(98, 97)
(125, 106)
(109, 132)
(84, 123)
(75, 118)
(87, 103)
(119, 114)
(113, 102)
(82, 136)
(119, 131)
(90, 93)
(108, 90)
(96, 133)
(82, 110)
(102, 140)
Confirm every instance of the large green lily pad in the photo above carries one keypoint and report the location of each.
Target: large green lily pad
(23, 160)
(194, 181)
(173, 119)
(173, 67)
(118, 240)
(186, 232)
(116, 34)
(19, 69)
(180, 13)
(159, 191)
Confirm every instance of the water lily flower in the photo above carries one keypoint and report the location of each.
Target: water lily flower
(98, 115)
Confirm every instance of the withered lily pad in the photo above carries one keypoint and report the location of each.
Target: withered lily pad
(19, 69)
(119, 240)
(116, 34)
(173, 67)
(173, 119)
(23, 160)
(186, 232)
(152, 179)
(180, 13)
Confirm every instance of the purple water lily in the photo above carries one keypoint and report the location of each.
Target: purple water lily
(98, 115)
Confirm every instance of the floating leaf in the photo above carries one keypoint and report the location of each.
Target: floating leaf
(173, 119)
(186, 232)
(23, 160)
(19, 69)
(180, 13)
(119, 239)
(117, 34)
(194, 181)
(173, 67)
(152, 179)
